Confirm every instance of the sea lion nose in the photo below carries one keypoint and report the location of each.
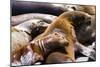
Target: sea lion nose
(89, 20)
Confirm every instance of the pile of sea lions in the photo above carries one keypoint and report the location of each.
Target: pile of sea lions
(47, 33)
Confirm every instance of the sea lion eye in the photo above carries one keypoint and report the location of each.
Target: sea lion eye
(82, 18)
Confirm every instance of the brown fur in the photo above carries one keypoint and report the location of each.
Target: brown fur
(90, 9)
(65, 22)
(49, 43)
(57, 57)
